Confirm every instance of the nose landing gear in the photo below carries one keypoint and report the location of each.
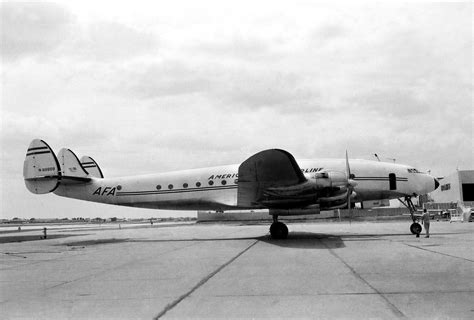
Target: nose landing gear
(415, 227)
(278, 230)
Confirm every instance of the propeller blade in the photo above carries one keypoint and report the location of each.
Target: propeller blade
(348, 169)
(349, 188)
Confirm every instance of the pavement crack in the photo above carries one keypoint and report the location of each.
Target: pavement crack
(203, 281)
(392, 307)
(13, 254)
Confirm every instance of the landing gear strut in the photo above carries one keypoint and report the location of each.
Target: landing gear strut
(278, 230)
(415, 227)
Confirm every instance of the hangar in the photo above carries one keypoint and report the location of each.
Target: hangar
(458, 186)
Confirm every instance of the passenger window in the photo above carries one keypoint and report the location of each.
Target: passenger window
(224, 182)
(185, 185)
(170, 186)
(211, 182)
(158, 187)
(236, 181)
(198, 184)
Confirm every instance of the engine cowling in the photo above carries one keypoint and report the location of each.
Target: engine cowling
(333, 187)
(328, 179)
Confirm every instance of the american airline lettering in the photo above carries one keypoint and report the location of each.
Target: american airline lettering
(235, 175)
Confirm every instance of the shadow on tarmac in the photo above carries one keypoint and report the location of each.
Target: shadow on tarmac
(306, 240)
(303, 240)
(34, 237)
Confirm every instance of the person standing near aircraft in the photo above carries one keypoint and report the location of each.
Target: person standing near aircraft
(425, 220)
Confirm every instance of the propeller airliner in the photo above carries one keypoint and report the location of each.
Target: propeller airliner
(271, 179)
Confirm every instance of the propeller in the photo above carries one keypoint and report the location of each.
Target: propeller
(350, 187)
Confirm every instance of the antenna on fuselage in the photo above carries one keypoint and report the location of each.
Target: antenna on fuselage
(377, 157)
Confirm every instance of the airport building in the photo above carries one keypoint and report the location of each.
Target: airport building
(456, 187)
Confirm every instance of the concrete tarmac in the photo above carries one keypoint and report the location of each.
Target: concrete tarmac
(323, 270)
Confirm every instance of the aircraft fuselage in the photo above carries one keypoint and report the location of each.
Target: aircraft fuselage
(216, 188)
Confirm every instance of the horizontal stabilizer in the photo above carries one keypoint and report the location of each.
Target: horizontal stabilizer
(41, 169)
(92, 167)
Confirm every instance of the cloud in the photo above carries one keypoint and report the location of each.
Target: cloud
(30, 29)
(106, 41)
(49, 30)
(237, 47)
(167, 78)
(328, 32)
(233, 86)
(267, 86)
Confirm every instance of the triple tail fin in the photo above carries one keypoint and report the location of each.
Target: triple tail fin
(91, 166)
(41, 169)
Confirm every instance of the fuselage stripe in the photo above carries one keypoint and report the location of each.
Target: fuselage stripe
(152, 192)
(380, 178)
(143, 193)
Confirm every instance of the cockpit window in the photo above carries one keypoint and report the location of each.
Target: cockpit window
(413, 170)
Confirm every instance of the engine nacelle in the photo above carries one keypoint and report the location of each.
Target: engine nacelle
(327, 188)
(329, 179)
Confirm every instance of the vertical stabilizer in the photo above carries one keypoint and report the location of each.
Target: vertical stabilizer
(70, 164)
(41, 168)
(92, 167)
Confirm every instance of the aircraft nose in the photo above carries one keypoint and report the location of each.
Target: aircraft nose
(436, 183)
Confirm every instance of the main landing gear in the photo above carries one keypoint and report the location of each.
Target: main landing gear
(415, 227)
(278, 230)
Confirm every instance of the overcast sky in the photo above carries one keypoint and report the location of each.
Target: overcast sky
(176, 85)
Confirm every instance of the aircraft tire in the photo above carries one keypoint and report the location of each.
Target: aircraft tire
(415, 228)
(279, 230)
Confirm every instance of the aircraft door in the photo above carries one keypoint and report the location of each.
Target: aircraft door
(392, 180)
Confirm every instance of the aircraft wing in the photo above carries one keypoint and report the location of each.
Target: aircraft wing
(271, 178)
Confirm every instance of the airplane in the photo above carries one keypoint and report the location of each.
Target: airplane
(271, 179)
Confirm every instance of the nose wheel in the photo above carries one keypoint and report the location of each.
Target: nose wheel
(415, 228)
(278, 230)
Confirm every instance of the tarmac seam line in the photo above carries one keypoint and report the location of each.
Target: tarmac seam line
(92, 275)
(344, 294)
(203, 281)
(441, 253)
(392, 307)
